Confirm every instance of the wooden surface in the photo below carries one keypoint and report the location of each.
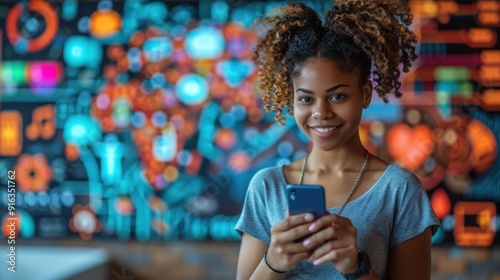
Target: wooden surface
(209, 260)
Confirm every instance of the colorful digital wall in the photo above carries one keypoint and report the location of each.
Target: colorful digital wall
(141, 119)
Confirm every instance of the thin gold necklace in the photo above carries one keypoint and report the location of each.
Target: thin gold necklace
(353, 186)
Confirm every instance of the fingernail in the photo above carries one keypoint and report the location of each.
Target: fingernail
(307, 243)
(309, 217)
(312, 227)
(335, 225)
(316, 262)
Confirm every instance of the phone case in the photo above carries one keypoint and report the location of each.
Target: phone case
(306, 199)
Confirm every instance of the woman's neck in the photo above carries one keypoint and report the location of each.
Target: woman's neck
(346, 158)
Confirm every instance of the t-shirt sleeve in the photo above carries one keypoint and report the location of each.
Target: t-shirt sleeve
(413, 214)
(253, 219)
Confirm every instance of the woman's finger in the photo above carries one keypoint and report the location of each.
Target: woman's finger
(292, 221)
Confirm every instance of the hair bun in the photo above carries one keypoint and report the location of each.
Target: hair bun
(380, 29)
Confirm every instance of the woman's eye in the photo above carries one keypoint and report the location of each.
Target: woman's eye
(304, 99)
(338, 97)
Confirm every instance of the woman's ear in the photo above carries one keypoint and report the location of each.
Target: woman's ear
(367, 93)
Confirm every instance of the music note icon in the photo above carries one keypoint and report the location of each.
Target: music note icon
(43, 123)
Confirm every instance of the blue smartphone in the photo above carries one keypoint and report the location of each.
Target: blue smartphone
(306, 199)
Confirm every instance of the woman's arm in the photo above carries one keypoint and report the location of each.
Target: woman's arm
(283, 253)
(411, 259)
(251, 252)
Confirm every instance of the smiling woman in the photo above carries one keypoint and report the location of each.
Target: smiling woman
(321, 73)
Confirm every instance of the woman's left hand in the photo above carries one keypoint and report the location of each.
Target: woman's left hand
(334, 240)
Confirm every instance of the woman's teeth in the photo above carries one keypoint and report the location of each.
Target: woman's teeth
(326, 129)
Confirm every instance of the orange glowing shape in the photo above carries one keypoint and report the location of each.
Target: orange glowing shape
(11, 225)
(441, 203)
(124, 206)
(71, 151)
(51, 20)
(84, 222)
(410, 146)
(484, 146)
(239, 161)
(43, 124)
(105, 23)
(225, 138)
(11, 127)
(34, 174)
(482, 233)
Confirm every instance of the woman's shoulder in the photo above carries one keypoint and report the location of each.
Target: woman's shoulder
(268, 175)
(398, 174)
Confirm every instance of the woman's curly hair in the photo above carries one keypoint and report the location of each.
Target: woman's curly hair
(365, 33)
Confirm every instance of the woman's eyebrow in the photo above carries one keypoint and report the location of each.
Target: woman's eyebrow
(328, 90)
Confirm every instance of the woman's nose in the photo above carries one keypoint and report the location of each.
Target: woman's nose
(322, 110)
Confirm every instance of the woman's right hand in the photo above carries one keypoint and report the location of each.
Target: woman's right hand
(284, 253)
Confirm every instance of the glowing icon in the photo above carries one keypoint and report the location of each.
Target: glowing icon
(81, 51)
(192, 89)
(105, 23)
(43, 124)
(165, 145)
(11, 136)
(111, 155)
(441, 203)
(158, 48)
(234, 71)
(44, 74)
(84, 222)
(81, 130)
(33, 173)
(49, 20)
(204, 42)
(473, 223)
(13, 72)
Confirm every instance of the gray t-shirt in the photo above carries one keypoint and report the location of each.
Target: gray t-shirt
(395, 209)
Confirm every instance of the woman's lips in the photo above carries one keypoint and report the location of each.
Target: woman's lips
(326, 131)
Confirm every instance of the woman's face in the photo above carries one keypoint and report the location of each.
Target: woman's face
(328, 102)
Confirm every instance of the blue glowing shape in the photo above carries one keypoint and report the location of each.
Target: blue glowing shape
(105, 5)
(250, 133)
(239, 112)
(157, 81)
(165, 145)
(205, 42)
(69, 9)
(81, 130)
(227, 120)
(234, 71)
(184, 158)
(158, 48)
(219, 11)
(159, 119)
(27, 228)
(285, 149)
(111, 158)
(156, 12)
(138, 119)
(191, 89)
(81, 51)
(83, 24)
(183, 13)
(67, 198)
